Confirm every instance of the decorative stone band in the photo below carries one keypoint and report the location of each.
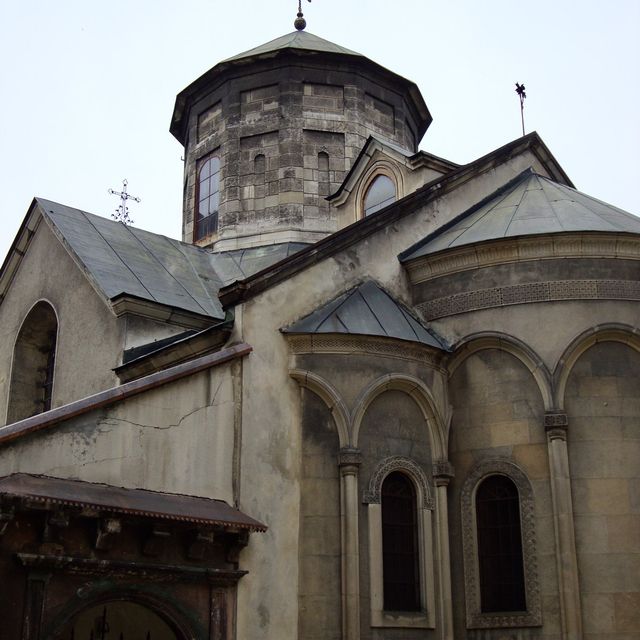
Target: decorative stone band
(349, 457)
(530, 292)
(554, 420)
(335, 343)
(373, 494)
(571, 245)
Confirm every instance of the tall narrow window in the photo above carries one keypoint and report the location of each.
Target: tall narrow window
(381, 193)
(208, 197)
(323, 174)
(33, 364)
(500, 560)
(400, 568)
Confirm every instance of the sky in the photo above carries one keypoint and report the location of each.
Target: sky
(88, 87)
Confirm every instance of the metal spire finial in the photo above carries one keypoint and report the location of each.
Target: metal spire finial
(300, 23)
(122, 212)
(522, 95)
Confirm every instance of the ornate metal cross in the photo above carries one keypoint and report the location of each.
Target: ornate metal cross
(122, 212)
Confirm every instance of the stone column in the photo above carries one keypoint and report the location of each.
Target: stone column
(566, 558)
(349, 462)
(442, 474)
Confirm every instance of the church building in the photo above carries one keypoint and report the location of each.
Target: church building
(371, 394)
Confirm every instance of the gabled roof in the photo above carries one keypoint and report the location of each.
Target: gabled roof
(295, 40)
(376, 143)
(121, 259)
(367, 310)
(530, 204)
(142, 272)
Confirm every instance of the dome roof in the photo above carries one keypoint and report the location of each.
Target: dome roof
(528, 205)
(295, 40)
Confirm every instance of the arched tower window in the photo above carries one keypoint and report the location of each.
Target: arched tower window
(400, 556)
(381, 193)
(33, 364)
(207, 197)
(500, 561)
(259, 166)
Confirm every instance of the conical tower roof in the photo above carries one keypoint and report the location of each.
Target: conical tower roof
(528, 205)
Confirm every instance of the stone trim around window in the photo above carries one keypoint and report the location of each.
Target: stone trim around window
(532, 617)
(424, 619)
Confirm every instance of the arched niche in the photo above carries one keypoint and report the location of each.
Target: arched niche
(32, 372)
(116, 619)
(601, 395)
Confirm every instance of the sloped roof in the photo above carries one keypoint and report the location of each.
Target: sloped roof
(367, 310)
(530, 204)
(295, 40)
(121, 259)
(136, 502)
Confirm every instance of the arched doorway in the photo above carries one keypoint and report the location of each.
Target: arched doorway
(117, 620)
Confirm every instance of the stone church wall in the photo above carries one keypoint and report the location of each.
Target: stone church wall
(90, 339)
(498, 416)
(320, 551)
(603, 407)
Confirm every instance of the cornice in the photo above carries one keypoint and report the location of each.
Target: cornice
(541, 247)
(350, 344)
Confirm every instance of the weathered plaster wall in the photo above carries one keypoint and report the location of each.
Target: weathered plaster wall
(498, 414)
(603, 407)
(177, 438)
(320, 551)
(90, 338)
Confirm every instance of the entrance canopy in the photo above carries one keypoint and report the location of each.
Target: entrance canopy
(138, 502)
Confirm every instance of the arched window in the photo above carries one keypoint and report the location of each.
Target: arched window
(207, 197)
(33, 364)
(401, 569)
(259, 166)
(500, 561)
(400, 557)
(499, 545)
(381, 193)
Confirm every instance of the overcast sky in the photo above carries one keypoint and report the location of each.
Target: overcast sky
(88, 87)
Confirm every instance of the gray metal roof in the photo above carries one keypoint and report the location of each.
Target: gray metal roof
(242, 263)
(125, 260)
(121, 259)
(528, 205)
(367, 310)
(295, 40)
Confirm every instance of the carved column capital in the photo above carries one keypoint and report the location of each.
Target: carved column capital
(349, 460)
(556, 425)
(443, 473)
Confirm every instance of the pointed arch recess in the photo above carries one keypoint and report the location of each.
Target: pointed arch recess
(610, 332)
(420, 393)
(318, 385)
(504, 342)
